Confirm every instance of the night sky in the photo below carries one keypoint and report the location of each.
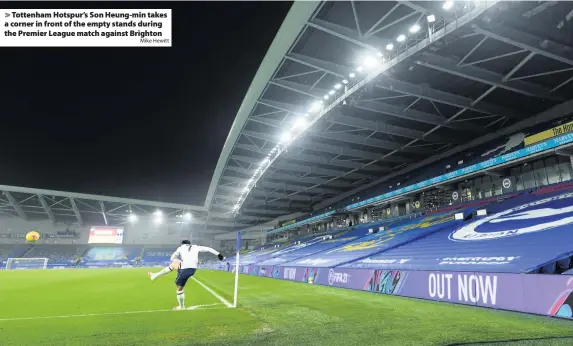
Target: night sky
(144, 123)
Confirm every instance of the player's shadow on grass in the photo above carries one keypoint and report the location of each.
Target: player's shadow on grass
(560, 340)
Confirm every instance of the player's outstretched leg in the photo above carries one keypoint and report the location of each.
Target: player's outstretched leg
(164, 271)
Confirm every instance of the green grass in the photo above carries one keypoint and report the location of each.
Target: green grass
(271, 312)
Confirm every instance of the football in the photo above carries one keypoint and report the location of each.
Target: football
(32, 236)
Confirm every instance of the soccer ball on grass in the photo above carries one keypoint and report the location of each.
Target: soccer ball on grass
(32, 236)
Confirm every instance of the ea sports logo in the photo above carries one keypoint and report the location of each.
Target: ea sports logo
(527, 218)
(331, 276)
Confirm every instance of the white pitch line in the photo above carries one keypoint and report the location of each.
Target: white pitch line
(229, 305)
(191, 308)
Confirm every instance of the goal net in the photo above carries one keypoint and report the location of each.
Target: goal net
(26, 263)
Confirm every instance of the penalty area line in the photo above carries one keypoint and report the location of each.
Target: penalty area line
(229, 305)
(191, 308)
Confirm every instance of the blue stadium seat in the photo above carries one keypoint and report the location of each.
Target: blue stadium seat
(565, 263)
(395, 234)
(518, 235)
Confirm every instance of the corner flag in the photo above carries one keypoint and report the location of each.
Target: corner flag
(236, 293)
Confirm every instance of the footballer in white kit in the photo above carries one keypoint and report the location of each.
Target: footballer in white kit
(185, 259)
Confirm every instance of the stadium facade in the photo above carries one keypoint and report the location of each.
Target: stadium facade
(382, 146)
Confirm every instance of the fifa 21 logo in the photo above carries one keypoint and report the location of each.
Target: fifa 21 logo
(337, 278)
(535, 215)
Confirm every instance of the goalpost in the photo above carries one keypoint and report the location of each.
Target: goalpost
(26, 263)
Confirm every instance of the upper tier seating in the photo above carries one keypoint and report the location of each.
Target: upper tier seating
(322, 243)
(395, 234)
(528, 233)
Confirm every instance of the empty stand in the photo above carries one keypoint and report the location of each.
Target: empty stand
(395, 234)
(528, 233)
(58, 255)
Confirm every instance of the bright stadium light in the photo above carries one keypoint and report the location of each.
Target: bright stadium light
(326, 97)
(344, 81)
(359, 69)
(265, 161)
(401, 38)
(352, 75)
(431, 18)
(187, 216)
(132, 218)
(158, 217)
(379, 54)
(300, 123)
(389, 46)
(337, 86)
(315, 107)
(448, 5)
(414, 28)
(286, 137)
(331, 92)
(369, 62)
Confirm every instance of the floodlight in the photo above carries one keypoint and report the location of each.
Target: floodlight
(300, 122)
(431, 18)
(379, 54)
(315, 107)
(344, 81)
(369, 62)
(401, 38)
(352, 75)
(132, 218)
(331, 92)
(286, 137)
(187, 216)
(359, 69)
(414, 28)
(157, 217)
(265, 161)
(326, 97)
(337, 86)
(448, 5)
(389, 46)
(246, 188)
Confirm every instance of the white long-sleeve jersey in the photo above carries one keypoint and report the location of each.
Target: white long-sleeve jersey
(189, 255)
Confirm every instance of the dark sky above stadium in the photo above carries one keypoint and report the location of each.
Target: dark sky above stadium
(144, 123)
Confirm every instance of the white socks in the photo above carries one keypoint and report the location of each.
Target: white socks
(163, 271)
(181, 299)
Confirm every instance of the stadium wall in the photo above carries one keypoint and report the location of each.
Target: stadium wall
(13, 231)
(549, 295)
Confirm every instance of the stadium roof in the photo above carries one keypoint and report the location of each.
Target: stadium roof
(400, 83)
(68, 207)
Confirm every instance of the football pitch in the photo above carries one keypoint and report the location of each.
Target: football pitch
(123, 307)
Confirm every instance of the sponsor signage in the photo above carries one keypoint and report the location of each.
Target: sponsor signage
(556, 131)
(550, 295)
(518, 154)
